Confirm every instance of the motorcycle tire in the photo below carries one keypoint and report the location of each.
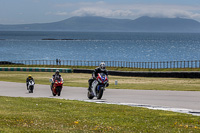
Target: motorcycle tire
(53, 94)
(89, 95)
(100, 93)
(59, 93)
(59, 89)
(31, 90)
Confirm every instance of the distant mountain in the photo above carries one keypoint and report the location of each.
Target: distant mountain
(146, 24)
(91, 23)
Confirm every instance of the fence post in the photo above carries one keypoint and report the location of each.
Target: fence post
(184, 64)
(199, 63)
(191, 64)
(161, 64)
(167, 64)
(195, 63)
(181, 63)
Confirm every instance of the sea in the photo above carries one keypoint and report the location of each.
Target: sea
(99, 46)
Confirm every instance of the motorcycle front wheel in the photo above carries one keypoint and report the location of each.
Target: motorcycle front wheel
(30, 89)
(100, 93)
(58, 90)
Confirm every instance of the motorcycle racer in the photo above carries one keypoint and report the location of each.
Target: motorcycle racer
(100, 69)
(28, 79)
(56, 76)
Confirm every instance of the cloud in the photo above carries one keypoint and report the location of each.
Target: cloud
(170, 11)
(102, 12)
(61, 13)
(58, 13)
(128, 10)
(164, 10)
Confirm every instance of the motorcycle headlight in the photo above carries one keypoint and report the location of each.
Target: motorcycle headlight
(56, 82)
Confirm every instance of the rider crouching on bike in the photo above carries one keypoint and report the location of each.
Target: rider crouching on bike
(100, 69)
(28, 79)
(56, 76)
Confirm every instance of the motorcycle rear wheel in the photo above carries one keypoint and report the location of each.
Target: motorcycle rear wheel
(89, 95)
(100, 93)
(53, 94)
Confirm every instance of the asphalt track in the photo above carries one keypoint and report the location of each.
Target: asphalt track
(177, 101)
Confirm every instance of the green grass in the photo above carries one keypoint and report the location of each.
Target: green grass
(59, 115)
(81, 80)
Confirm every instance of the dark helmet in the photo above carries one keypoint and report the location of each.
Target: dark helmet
(57, 72)
(102, 66)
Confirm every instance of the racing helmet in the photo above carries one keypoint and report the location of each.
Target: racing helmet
(29, 76)
(102, 66)
(57, 72)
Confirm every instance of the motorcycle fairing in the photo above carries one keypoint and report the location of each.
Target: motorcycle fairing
(30, 83)
(94, 84)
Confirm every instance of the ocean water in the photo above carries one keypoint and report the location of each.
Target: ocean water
(99, 46)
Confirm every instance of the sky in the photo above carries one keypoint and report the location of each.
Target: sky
(46, 11)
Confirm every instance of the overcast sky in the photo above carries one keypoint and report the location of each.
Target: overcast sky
(43, 11)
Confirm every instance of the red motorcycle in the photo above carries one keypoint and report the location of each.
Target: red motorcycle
(57, 87)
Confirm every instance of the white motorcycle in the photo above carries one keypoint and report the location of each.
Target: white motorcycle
(98, 86)
(31, 86)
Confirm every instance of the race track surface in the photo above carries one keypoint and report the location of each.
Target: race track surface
(178, 101)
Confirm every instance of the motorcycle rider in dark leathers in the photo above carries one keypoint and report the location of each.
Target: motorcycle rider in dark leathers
(100, 69)
(56, 76)
(28, 79)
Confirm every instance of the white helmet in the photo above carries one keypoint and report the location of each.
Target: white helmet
(57, 72)
(102, 66)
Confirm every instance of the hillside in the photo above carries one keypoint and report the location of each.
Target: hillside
(101, 24)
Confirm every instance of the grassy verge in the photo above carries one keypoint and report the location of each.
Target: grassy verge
(59, 115)
(81, 80)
